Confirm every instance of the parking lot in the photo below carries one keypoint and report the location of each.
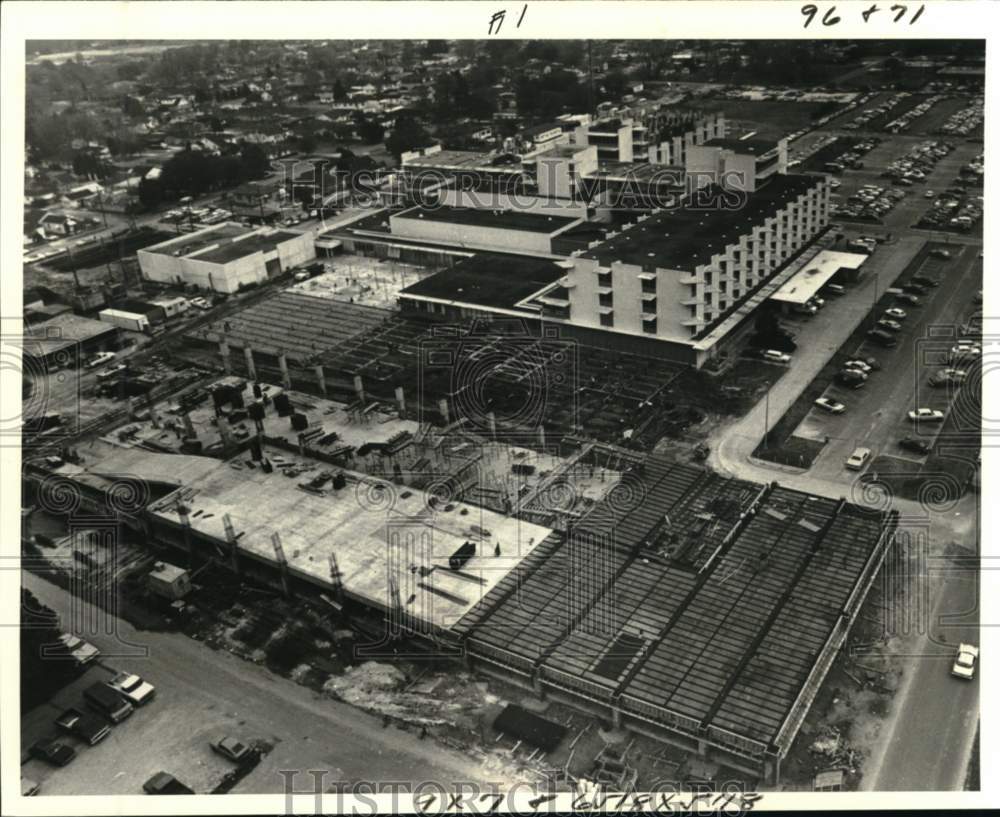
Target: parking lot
(204, 694)
(876, 413)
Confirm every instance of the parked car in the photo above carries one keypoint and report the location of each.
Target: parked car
(965, 661)
(200, 303)
(230, 748)
(859, 366)
(834, 289)
(889, 325)
(907, 298)
(852, 378)
(926, 415)
(895, 313)
(108, 701)
(89, 728)
(136, 691)
(111, 371)
(966, 350)
(83, 651)
(939, 253)
(777, 357)
(945, 377)
(916, 445)
(858, 458)
(100, 359)
(52, 751)
(924, 280)
(882, 338)
(914, 289)
(163, 783)
(829, 405)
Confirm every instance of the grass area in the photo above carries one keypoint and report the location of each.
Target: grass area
(795, 451)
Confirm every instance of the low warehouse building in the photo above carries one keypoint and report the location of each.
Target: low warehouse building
(226, 257)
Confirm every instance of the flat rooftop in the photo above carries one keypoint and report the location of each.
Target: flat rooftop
(488, 280)
(62, 331)
(688, 614)
(462, 160)
(376, 531)
(193, 242)
(756, 147)
(806, 283)
(261, 242)
(686, 238)
(495, 219)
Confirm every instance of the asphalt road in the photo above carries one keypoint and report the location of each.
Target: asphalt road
(931, 730)
(876, 414)
(203, 693)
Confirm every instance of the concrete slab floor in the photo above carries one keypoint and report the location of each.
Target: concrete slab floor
(362, 280)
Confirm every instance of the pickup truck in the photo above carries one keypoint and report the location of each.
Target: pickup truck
(108, 701)
(89, 728)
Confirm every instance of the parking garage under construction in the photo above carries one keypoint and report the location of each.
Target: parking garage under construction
(701, 610)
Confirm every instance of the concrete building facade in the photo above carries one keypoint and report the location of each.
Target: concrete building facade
(225, 257)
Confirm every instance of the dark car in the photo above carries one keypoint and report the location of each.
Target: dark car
(915, 445)
(52, 751)
(163, 783)
(908, 298)
(882, 338)
(914, 289)
(852, 379)
(923, 280)
(88, 728)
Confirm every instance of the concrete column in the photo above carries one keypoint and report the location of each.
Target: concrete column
(321, 379)
(541, 437)
(251, 369)
(153, 418)
(286, 381)
(359, 388)
(400, 400)
(188, 425)
(227, 364)
(492, 420)
(224, 434)
(443, 407)
(616, 717)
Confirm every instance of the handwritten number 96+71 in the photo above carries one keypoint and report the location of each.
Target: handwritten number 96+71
(829, 18)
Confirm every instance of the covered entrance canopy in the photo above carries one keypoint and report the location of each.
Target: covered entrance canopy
(806, 283)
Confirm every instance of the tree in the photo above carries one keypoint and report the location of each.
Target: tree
(339, 91)
(42, 672)
(369, 131)
(406, 134)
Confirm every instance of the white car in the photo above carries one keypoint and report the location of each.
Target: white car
(137, 691)
(829, 405)
(931, 415)
(895, 313)
(83, 651)
(776, 356)
(201, 303)
(970, 349)
(891, 326)
(965, 661)
(100, 359)
(858, 366)
(857, 460)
